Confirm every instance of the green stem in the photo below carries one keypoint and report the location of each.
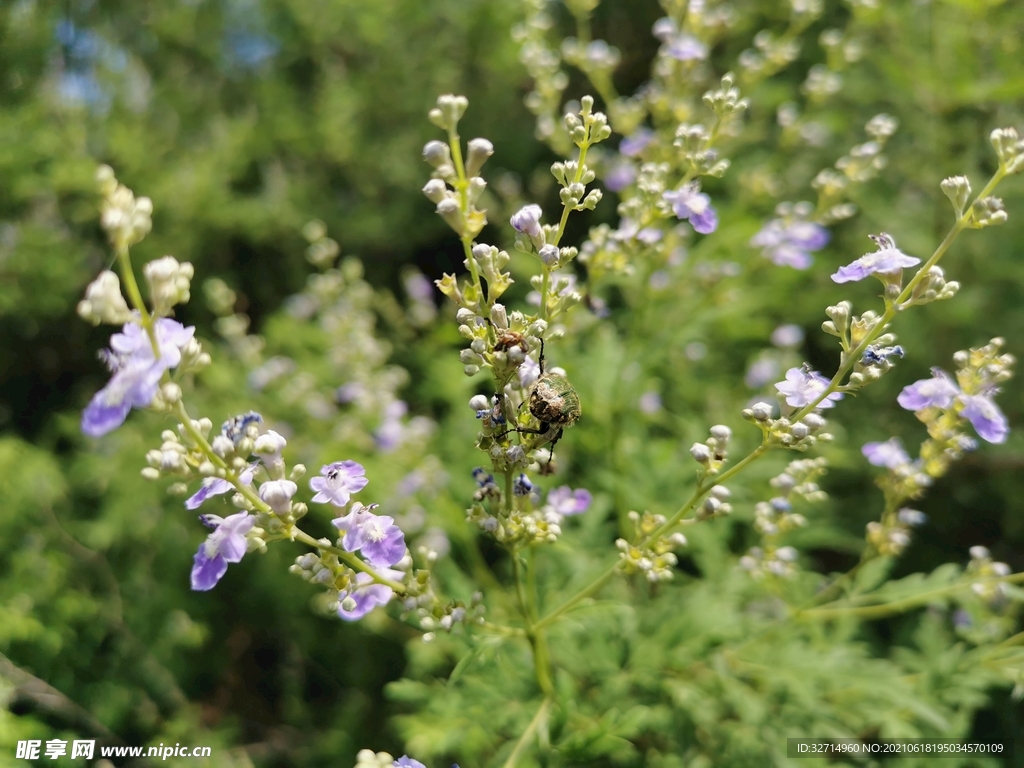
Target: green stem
(348, 558)
(135, 295)
(544, 287)
(702, 489)
(462, 186)
(579, 597)
(541, 661)
(508, 491)
(467, 247)
(517, 572)
(500, 629)
(898, 606)
(524, 740)
(566, 209)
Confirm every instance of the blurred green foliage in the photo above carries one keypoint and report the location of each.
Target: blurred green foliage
(245, 119)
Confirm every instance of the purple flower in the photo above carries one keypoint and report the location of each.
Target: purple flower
(941, 392)
(761, 371)
(391, 432)
(527, 220)
(678, 45)
(346, 393)
(636, 142)
(887, 260)
(338, 482)
(568, 502)
(137, 373)
(790, 243)
(787, 336)
(688, 202)
(684, 47)
(803, 386)
(215, 486)
(620, 175)
(381, 541)
(407, 762)
(986, 418)
(650, 402)
(649, 235)
(888, 454)
(367, 594)
(937, 392)
(227, 544)
(171, 336)
(133, 385)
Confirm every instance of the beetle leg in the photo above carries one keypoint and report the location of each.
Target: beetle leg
(551, 450)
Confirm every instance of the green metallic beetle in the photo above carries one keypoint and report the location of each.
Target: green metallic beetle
(553, 402)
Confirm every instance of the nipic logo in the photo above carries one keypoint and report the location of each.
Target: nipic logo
(29, 750)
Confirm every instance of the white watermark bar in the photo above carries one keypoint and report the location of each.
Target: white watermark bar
(54, 749)
(890, 748)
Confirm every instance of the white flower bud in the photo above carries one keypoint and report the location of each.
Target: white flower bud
(478, 152)
(435, 190)
(499, 317)
(222, 446)
(169, 283)
(170, 392)
(549, 255)
(448, 209)
(786, 554)
(103, 302)
(958, 190)
(481, 251)
(437, 153)
(269, 446)
(277, 494)
(814, 421)
(721, 432)
(701, 453)
(479, 402)
(979, 552)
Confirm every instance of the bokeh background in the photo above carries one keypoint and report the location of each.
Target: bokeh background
(244, 120)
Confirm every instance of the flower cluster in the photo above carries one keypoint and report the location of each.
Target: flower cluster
(942, 402)
(456, 205)
(241, 457)
(528, 521)
(799, 229)
(790, 239)
(138, 359)
(649, 553)
(774, 518)
(988, 571)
